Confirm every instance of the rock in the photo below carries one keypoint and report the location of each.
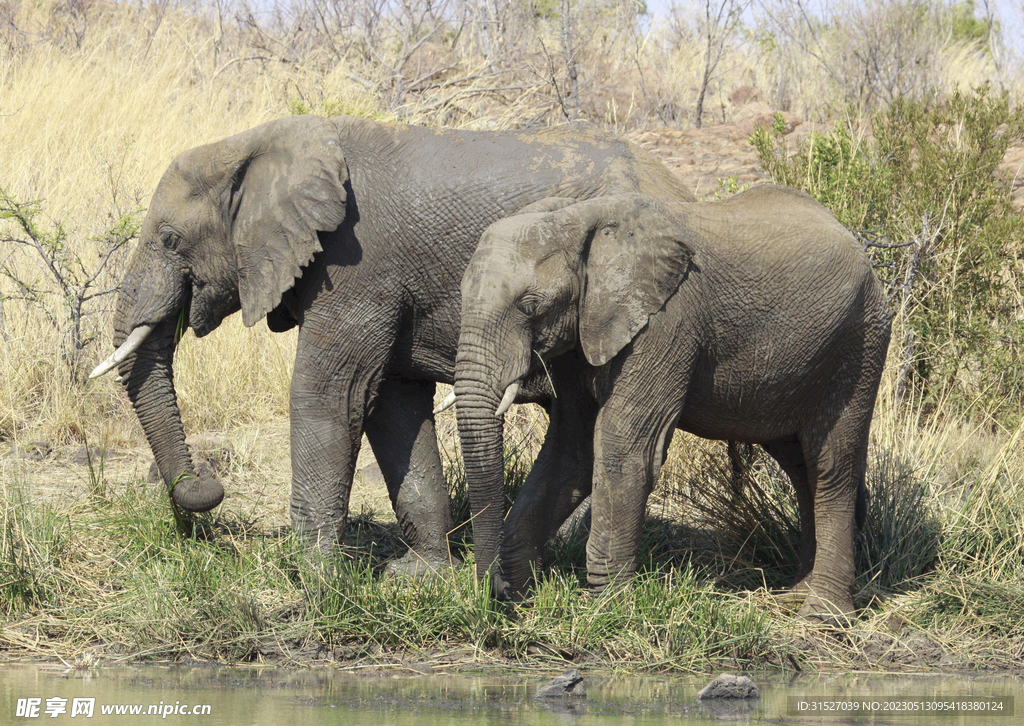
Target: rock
(93, 454)
(729, 686)
(569, 684)
(32, 451)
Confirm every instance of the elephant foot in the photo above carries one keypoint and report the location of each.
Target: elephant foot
(416, 565)
(832, 609)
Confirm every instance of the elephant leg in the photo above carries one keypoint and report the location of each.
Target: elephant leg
(332, 386)
(631, 438)
(558, 483)
(836, 467)
(790, 456)
(400, 428)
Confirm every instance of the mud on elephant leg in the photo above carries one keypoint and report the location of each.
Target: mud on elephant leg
(561, 478)
(400, 429)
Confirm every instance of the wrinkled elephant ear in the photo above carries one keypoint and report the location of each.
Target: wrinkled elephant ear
(638, 256)
(289, 184)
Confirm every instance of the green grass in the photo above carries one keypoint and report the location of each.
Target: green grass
(116, 577)
(111, 576)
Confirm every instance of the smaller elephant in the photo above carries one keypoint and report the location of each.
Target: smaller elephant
(755, 319)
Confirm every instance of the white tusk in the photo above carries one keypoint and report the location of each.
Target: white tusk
(129, 346)
(507, 399)
(447, 403)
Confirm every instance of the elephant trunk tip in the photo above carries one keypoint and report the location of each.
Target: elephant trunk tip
(197, 493)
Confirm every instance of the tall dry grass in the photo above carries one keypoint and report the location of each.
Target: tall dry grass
(97, 97)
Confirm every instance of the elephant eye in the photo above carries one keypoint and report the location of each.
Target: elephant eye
(170, 239)
(527, 304)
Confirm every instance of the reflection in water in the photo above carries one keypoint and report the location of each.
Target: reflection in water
(272, 696)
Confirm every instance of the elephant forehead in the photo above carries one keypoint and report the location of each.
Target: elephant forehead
(495, 272)
(181, 200)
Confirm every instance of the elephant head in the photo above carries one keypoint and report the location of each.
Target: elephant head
(559, 274)
(230, 227)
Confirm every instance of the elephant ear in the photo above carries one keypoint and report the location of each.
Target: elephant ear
(637, 258)
(289, 185)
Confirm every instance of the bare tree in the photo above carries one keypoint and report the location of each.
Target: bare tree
(74, 279)
(569, 53)
(716, 23)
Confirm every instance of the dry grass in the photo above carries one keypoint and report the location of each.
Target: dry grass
(98, 97)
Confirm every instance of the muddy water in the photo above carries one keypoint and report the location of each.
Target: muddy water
(276, 697)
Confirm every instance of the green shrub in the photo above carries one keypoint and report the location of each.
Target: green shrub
(923, 189)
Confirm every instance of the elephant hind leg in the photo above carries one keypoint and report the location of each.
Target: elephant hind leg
(400, 429)
(790, 456)
(836, 467)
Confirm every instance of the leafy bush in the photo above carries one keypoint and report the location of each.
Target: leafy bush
(900, 539)
(922, 187)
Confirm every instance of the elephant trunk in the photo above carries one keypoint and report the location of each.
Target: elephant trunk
(148, 376)
(482, 449)
(486, 382)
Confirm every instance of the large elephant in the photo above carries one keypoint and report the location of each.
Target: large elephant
(358, 232)
(756, 319)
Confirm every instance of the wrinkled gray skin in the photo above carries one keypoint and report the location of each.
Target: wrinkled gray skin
(358, 232)
(756, 319)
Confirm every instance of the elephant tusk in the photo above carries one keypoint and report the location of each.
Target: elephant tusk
(507, 399)
(129, 346)
(447, 403)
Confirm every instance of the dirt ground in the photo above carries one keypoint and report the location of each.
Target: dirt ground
(702, 157)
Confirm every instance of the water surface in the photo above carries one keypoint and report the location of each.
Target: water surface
(398, 697)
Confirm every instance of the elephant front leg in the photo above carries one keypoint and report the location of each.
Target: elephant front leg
(331, 388)
(400, 429)
(559, 481)
(325, 439)
(630, 444)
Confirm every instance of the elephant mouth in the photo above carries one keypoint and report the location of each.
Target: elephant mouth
(506, 400)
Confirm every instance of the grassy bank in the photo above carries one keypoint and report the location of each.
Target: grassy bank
(105, 574)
